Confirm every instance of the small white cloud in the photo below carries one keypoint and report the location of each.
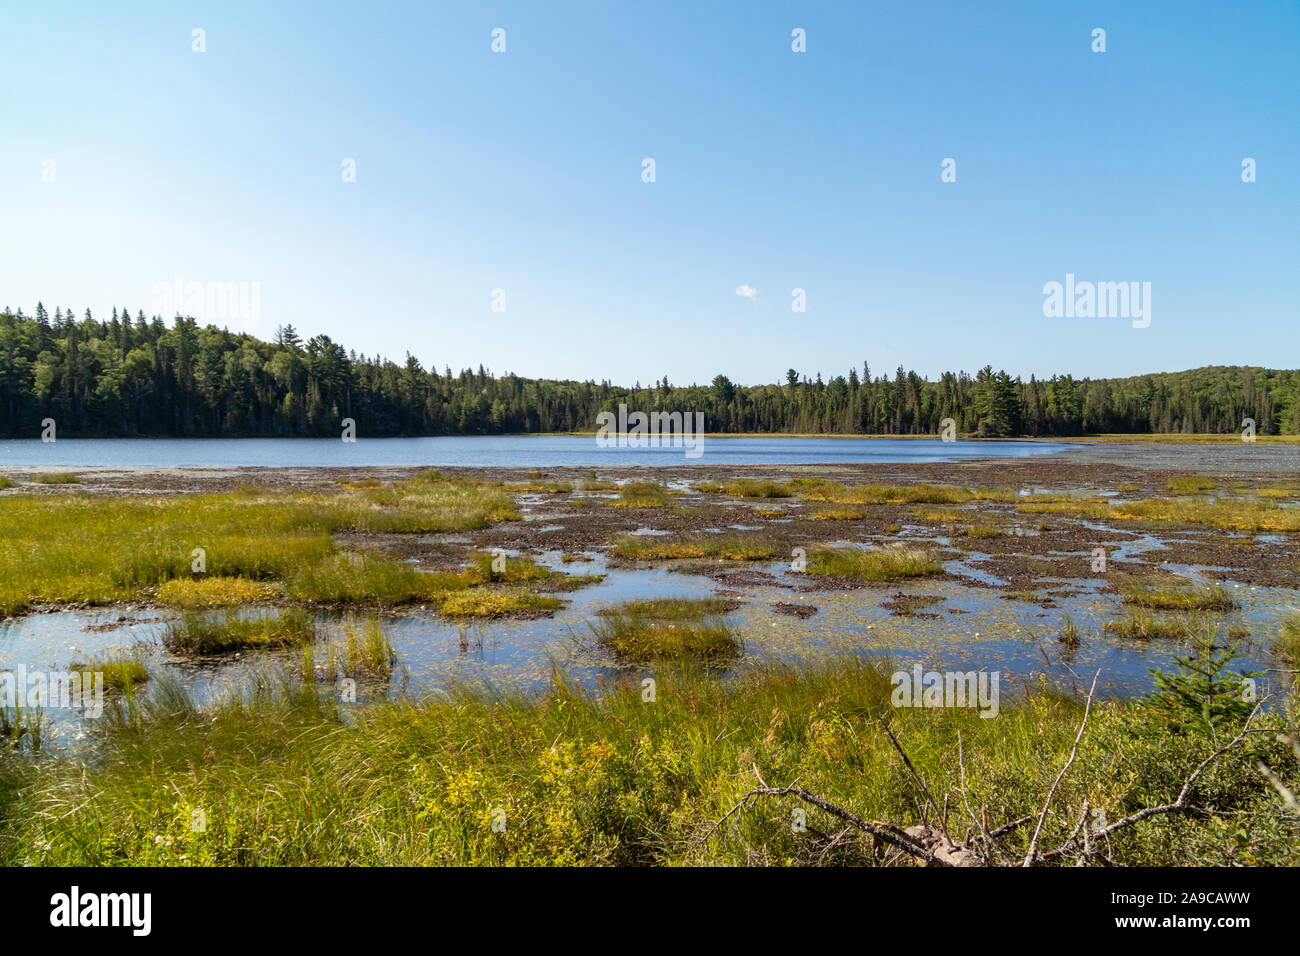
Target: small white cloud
(748, 291)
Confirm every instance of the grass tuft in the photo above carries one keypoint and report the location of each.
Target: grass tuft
(882, 564)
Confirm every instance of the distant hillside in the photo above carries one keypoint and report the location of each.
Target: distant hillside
(132, 377)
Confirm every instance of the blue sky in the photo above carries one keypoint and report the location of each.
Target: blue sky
(775, 170)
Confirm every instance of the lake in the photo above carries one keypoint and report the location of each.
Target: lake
(532, 451)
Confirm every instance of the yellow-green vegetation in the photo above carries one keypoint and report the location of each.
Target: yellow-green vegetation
(770, 512)
(748, 488)
(1288, 637)
(814, 489)
(57, 478)
(673, 628)
(1189, 483)
(5, 482)
(872, 564)
(1279, 492)
(356, 578)
(542, 487)
(286, 779)
(641, 494)
(837, 514)
(1180, 597)
(1235, 515)
(206, 633)
(366, 650)
(595, 484)
(1144, 626)
(214, 591)
(632, 547)
(978, 529)
(522, 569)
(82, 548)
(121, 671)
(489, 602)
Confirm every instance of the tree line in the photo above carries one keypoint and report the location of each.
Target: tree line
(141, 377)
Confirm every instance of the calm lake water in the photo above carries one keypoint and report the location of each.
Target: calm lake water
(533, 451)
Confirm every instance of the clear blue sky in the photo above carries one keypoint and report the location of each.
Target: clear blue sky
(775, 170)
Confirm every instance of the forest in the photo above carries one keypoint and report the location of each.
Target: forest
(142, 377)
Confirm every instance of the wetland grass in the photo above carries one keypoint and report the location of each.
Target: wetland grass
(215, 591)
(672, 628)
(484, 602)
(1180, 597)
(1288, 637)
(872, 564)
(202, 633)
(641, 494)
(120, 671)
(88, 549)
(748, 488)
(611, 780)
(726, 547)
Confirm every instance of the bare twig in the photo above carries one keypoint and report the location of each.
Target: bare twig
(1074, 751)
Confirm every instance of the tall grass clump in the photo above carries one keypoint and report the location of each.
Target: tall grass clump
(120, 671)
(748, 488)
(367, 651)
(1288, 637)
(1180, 597)
(355, 578)
(877, 564)
(1144, 626)
(493, 603)
(632, 547)
(671, 628)
(198, 633)
(641, 494)
(215, 591)
(57, 478)
(1188, 483)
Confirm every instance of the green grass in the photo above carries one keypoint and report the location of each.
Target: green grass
(672, 609)
(1288, 637)
(57, 478)
(492, 603)
(1143, 626)
(359, 579)
(726, 547)
(672, 628)
(366, 650)
(748, 488)
(5, 482)
(818, 490)
(200, 633)
(121, 671)
(641, 494)
(286, 779)
(1191, 483)
(1180, 597)
(881, 564)
(837, 514)
(1231, 514)
(81, 548)
(214, 591)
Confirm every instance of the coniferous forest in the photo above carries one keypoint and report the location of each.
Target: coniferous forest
(125, 376)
